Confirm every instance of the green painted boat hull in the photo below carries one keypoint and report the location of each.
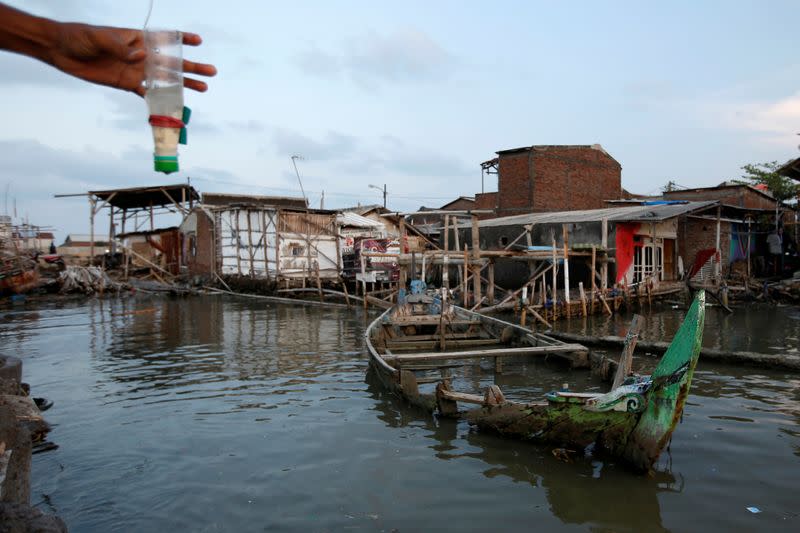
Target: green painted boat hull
(638, 437)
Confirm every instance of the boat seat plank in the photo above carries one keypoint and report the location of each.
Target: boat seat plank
(452, 343)
(501, 352)
(461, 397)
(436, 337)
(430, 319)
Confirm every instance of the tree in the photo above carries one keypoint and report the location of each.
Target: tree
(781, 187)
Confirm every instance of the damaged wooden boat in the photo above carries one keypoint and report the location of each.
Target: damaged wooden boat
(420, 336)
(634, 421)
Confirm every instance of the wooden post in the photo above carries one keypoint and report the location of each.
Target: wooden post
(476, 255)
(594, 285)
(92, 202)
(265, 242)
(583, 297)
(364, 281)
(564, 234)
(748, 249)
(555, 274)
(250, 250)
(626, 359)
(344, 290)
(604, 267)
(490, 288)
(124, 250)
(446, 232)
(151, 217)
(717, 263)
(465, 280)
(319, 282)
(238, 240)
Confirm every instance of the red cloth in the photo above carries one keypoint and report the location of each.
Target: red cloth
(701, 259)
(625, 247)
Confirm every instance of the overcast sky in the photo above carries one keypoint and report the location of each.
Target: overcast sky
(413, 95)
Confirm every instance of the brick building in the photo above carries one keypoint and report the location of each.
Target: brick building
(552, 178)
(733, 194)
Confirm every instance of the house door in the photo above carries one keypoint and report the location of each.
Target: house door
(648, 260)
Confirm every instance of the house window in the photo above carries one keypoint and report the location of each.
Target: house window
(297, 250)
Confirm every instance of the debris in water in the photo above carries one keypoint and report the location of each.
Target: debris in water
(754, 510)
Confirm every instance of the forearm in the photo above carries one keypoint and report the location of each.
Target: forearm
(26, 34)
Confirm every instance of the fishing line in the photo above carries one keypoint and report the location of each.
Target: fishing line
(147, 18)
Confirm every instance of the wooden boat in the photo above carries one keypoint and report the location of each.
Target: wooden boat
(633, 421)
(419, 336)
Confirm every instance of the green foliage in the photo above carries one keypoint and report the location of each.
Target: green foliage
(781, 187)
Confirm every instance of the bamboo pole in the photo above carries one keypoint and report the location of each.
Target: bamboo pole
(490, 288)
(555, 274)
(465, 280)
(594, 286)
(565, 236)
(476, 255)
(604, 267)
(583, 298)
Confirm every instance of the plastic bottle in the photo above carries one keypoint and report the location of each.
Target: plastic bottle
(164, 96)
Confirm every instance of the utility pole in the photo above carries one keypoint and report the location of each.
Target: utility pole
(294, 158)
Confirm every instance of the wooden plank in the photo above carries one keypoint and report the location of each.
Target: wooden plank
(430, 319)
(626, 359)
(461, 396)
(583, 297)
(437, 336)
(429, 345)
(502, 352)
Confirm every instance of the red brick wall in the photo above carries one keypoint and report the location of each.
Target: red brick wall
(564, 178)
(514, 187)
(695, 235)
(487, 200)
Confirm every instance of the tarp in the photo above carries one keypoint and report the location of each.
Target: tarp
(625, 247)
(701, 259)
(738, 249)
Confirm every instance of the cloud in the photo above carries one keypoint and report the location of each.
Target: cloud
(70, 10)
(334, 146)
(21, 70)
(403, 57)
(366, 157)
(777, 117)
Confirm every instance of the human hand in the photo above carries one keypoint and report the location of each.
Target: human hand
(114, 57)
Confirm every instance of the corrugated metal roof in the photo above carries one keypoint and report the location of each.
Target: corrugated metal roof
(353, 220)
(634, 213)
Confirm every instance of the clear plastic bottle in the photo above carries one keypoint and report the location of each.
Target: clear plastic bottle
(164, 95)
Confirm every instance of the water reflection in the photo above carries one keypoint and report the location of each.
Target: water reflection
(753, 327)
(587, 491)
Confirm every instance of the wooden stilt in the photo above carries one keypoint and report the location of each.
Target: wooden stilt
(583, 298)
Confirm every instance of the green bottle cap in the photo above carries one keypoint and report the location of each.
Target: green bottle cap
(165, 163)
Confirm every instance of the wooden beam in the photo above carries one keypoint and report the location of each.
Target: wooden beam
(501, 352)
(626, 359)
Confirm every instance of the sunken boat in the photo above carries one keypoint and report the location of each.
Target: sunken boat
(634, 421)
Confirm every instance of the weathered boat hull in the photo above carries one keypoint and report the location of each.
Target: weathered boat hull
(386, 334)
(636, 436)
(19, 283)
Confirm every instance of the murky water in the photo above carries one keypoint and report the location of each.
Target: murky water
(210, 414)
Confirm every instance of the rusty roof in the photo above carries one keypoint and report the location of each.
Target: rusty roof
(142, 197)
(635, 213)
